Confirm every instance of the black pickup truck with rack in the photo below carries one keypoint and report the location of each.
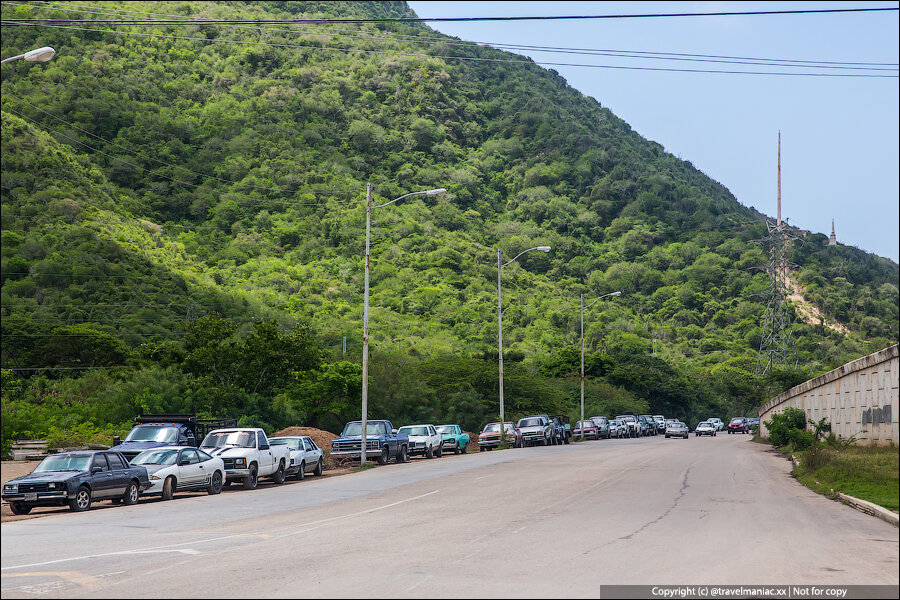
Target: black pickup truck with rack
(154, 431)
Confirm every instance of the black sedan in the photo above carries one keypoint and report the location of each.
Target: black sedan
(76, 479)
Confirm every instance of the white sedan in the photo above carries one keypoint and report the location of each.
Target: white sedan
(705, 428)
(306, 456)
(180, 469)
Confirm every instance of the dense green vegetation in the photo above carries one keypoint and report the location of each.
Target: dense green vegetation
(173, 201)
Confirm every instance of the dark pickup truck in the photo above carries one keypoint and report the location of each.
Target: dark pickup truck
(382, 442)
(154, 431)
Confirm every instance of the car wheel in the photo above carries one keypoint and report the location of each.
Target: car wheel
(465, 448)
(321, 467)
(132, 493)
(19, 508)
(429, 452)
(402, 455)
(278, 476)
(456, 449)
(440, 451)
(481, 448)
(215, 484)
(81, 501)
(385, 456)
(301, 474)
(168, 491)
(251, 480)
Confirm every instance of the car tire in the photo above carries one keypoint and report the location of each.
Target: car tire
(440, 451)
(402, 456)
(278, 476)
(456, 449)
(301, 474)
(132, 493)
(385, 456)
(481, 448)
(320, 467)
(429, 452)
(81, 501)
(252, 479)
(168, 491)
(19, 508)
(215, 484)
(465, 448)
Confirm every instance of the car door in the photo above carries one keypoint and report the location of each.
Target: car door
(118, 474)
(309, 454)
(266, 458)
(100, 477)
(190, 473)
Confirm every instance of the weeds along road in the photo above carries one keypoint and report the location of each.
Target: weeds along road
(525, 523)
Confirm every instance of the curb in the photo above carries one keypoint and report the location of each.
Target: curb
(870, 509)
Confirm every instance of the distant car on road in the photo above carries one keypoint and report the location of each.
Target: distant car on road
(490, 436)
(677, 429)
(717, 422)
(738, 425)
(305, 456)
(180, 469)
(423, 439)
(660, 423)
(705, 428)
(454, 438)
(602, 424)
(537, 430)
(631, 421)
(76, 479)
(617, 428)
(588, 429)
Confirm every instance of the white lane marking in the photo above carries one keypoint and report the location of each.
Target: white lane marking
(215, 539)
(179, 550)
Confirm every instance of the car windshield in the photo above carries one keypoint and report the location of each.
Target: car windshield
(292, 444)
(737, 420)
(491, 427)
(413, 430)
(372, 428)
(530, 423)
(446, 428)
(220, 439)
(165, 456)
(153, 433)
(64, 462)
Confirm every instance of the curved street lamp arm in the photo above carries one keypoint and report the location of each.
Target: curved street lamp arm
(541, 248)
(602, 297)
(437, 192)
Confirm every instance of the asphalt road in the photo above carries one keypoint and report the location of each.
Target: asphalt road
(534, 522)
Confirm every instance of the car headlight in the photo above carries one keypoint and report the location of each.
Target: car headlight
(240, 463)
(154, 478)
(11, 487)
(51, 486)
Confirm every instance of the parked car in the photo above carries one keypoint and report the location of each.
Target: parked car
(563, 429)
(717, 422)
(602, 424)
(305, 456)
(536, 430)
(634, 426)
(382, 441)
(155, 431)
(617, 428)
(588, 429)
(705, 428)
(660, 423)
(454, 438)
(738, 425)
(648, 425)
(423, 439)
(677, 429)
(490, 436)
(180, 469)
(247, 455)
(753, 422)
(76, 479)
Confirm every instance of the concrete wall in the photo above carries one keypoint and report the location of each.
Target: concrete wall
(861, 395)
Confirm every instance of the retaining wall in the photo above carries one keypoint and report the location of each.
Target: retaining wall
(859, 398)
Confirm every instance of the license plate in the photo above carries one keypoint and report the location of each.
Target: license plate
(31, 497)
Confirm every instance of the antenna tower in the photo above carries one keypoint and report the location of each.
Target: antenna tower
(776, 348)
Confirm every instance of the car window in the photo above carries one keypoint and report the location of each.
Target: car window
(261, 439)
(99, 461)
(189, 455)
(203, 456)
(309, 444)
(115, 462)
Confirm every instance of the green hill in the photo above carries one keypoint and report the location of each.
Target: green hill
(155, 176)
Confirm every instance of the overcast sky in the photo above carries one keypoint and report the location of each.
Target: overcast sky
(839, 135)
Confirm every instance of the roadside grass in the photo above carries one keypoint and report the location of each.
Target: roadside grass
(365, 467)
(865, 472)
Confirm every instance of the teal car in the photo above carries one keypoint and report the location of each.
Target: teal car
(455, 438)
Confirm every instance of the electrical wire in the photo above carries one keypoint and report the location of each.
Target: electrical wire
(451, 57)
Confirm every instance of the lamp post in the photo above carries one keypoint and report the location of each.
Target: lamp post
(582, 350)
(39, 55)
(365, 341)
(500, 265)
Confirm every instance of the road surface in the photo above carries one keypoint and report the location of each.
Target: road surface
(533, 522)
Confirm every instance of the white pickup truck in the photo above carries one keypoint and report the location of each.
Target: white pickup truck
(247, 455)
(423, 439)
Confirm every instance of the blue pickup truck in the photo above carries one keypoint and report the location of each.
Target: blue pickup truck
(382, 442)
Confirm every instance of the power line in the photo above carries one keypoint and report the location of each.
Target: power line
(389, 36)
(469, 19)
(461, 58)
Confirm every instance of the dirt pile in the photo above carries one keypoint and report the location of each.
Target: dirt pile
(321, 437)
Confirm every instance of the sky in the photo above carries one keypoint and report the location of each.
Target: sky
(839, 146)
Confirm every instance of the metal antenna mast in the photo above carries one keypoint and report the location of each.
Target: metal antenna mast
(776, 348)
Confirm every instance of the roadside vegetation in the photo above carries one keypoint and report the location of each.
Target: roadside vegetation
(830, 464)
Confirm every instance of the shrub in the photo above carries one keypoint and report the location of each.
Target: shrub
(787, 428)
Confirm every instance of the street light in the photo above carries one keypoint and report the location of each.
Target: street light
(365, 356)
(40, 55)
(582, 350)
(500, 265)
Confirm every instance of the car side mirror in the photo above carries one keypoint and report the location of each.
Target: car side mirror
(96, 469)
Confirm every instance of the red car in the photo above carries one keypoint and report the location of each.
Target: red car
(591, 431)
(739, 425)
